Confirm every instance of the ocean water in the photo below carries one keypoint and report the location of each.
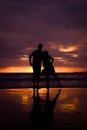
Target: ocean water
(24, 80)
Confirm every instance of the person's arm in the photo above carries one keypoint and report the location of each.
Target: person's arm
(51, 59)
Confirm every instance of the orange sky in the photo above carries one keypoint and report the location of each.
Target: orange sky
(29, 69)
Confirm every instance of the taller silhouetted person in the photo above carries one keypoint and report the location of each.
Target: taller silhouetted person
(35, 61)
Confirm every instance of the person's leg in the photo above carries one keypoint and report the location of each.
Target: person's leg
(38, 76)
(47, 80)
(34, 79)
(38, 73)
(56, 78)
(52, 71)
(34, 76)
(37, 82)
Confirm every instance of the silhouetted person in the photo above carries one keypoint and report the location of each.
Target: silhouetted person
(35, 61)
(48, 67)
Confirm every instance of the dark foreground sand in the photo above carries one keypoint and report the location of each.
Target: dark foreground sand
(19, 109)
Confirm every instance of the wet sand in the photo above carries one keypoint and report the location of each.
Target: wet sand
(21, 109)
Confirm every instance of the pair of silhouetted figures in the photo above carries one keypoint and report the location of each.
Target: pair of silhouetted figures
(43, 110)
(38, 57)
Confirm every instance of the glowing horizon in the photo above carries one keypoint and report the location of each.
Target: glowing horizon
(25, 69)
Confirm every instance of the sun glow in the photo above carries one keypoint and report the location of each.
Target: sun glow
(16, 69)
(26, 69)
(70, 69)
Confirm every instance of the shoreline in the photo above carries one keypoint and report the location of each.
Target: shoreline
(40, 87)
(24, 80)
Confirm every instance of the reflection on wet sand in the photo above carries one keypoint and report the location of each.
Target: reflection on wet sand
(50, 108)
(69, 99)
(43, 110)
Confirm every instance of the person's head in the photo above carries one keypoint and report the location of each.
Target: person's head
(45, 53)
(40, 46)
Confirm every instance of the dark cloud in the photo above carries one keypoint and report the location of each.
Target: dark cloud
(65, 13)
(25, 23)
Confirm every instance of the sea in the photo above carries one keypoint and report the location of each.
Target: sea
(24, 80)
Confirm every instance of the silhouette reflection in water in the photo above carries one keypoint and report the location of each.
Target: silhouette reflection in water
(43, 110)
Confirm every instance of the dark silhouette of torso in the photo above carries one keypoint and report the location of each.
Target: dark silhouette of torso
(35, 61)
(37, 57)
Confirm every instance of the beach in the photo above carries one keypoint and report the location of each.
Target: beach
(58, 108)
(19, 109)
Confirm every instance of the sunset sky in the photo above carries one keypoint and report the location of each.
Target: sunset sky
(60, 25)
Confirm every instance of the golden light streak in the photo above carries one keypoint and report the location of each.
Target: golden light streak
(67, 49)
(62, 59)
(24, 58)
(17, 69)
(26, 69)
(70, 69)
(73, 55)
(68, 107)
(58, 58)
(23, 95)
(25, 99)
(70, 101)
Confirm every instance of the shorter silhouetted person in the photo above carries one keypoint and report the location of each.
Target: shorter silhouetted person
(35, 61)
(49, 68)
